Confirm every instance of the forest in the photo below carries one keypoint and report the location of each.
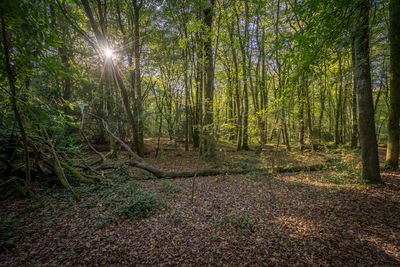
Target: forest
(200, 132)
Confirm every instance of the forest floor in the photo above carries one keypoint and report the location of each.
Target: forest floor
(326, 217)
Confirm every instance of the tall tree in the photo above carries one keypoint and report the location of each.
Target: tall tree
(369, 146)
(137, 5)
(243, 41)
(392, 154)
(209, 88)
(13, 87)
(354, 127)
(102, 46)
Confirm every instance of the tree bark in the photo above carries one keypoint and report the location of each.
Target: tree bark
(369, 147)
(209, 88)
(11, 81)
(354, 127)
(138, 101)
(392, 154)
(243, 43)
(301, 115)
(339, 102)
(237, 94)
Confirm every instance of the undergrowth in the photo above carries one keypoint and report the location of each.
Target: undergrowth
(345, 171)
(127, 200)
(8, 237)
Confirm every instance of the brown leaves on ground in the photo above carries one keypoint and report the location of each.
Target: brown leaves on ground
(317, 218)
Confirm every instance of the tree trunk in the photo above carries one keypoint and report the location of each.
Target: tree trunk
(392, 154)
(209, 88)
(11, 81)
(309, 117)
(339, 102)
(369, 147)
(301, 116)
(102, 41)
(243, 43)
(237, 94)
(354, 128)
(138, 101)
(322, 99)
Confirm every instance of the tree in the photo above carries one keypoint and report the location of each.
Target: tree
(209, 88)
(102, 46)
(354, 128)
(392, 154)
(369, 146)
(138, 101)
(11, 81)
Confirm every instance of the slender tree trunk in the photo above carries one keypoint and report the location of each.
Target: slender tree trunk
(108, 81)
(246, 74)
(62, 51)
(309, 117)
(285, 136)
(102, 43)
(343, 115)
(138, 101)
(392, 154)
(209, 89)
(301, 117)
(263, 91)
(11, 81)
(199, 96)
(237, 95)
(354, 126)
(186, 107)
(322, 99)
(339, 102)
(369, 146)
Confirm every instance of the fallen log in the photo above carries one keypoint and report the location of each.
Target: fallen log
(213, 172)
(138, 162)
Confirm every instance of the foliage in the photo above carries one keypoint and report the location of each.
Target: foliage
(8, 237)
(121, 172)
(140, 206)
(127, 199)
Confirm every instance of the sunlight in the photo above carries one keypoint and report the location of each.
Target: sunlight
(108, 52)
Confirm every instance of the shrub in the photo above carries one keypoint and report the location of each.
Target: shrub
(7, 232)
(141, 206)
(122, 171)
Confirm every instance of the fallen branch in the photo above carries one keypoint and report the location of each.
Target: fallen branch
(56, 164)
(103, 158)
